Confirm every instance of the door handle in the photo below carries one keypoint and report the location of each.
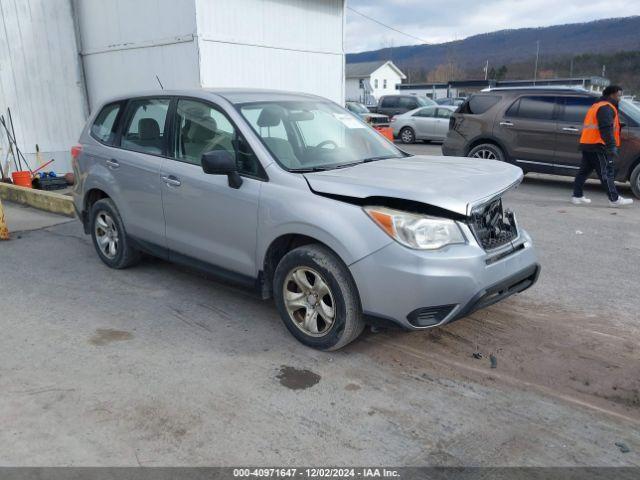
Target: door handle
(171, 180)
(112, 164)
(506, 124)
(570, 129)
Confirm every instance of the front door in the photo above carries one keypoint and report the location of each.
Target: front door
(206, 219)
(529, 128)
(441, 124)
(568, 130)
(424, 120)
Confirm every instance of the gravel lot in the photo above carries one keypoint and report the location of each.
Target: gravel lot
(157, 365)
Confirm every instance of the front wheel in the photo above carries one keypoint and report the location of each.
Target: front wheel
(407, 135)
(635, 181)
(317, 298)
(487, 151)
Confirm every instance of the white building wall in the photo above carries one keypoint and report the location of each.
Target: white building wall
(280, 44)
(125, 44)
(40, 79)
(383, 73)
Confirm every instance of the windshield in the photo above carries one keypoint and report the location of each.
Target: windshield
(631, 110)
(316, 135)
(357, 107)
(425, 102)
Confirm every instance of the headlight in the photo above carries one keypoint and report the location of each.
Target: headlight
(416, 231)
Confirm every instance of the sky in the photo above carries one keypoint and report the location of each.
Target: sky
(438, 22)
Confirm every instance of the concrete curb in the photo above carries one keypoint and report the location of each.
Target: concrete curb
(40, 199)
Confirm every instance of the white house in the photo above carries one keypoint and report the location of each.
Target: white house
(60, 58)
(366, 82)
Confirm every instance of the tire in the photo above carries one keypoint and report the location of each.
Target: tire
(487, 151)
(407, 135)
(635, 181)
(106, 225)
(310, 263)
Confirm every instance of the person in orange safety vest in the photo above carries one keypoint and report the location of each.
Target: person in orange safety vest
(599, 143)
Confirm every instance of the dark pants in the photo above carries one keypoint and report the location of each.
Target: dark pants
(602, 163)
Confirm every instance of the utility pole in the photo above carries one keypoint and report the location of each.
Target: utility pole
(604, 71)
(486, 70)
(571, 68)
(535, 70)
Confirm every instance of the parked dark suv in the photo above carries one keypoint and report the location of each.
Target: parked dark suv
(538, 129)
(391, 105)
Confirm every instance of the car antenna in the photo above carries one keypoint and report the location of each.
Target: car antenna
(158, 79)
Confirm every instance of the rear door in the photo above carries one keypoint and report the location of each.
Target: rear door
(206, 219)
(573, 109)
(389, 106)
(135, 167)
(528, 127)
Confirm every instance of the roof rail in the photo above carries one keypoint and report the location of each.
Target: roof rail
(539, 87)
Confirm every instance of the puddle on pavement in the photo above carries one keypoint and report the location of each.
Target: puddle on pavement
(352, 387)
(107, 335)
(297, 379)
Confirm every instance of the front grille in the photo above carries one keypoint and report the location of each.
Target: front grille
(378, 120)
(492, 226)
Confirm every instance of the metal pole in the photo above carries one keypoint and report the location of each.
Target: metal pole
(535, 71)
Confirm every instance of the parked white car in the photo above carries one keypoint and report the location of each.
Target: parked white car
(425, 123)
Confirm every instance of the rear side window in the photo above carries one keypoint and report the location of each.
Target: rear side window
(145, 130)
(534, 107)
(479, 104)
(444, 113)
(575, 109)
(104, 127)
(408, 103)
(389, 102)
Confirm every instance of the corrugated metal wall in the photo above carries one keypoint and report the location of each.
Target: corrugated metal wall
(126, 43)
(282, 44)
(40, 78)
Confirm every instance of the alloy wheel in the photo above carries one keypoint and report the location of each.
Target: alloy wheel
(407, 136)
(484, 153)
(309, 301)
(107, 236)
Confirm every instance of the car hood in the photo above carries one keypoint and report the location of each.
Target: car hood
(450, 183)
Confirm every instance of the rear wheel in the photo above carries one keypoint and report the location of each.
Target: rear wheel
(109, 236)
(317, 298)
(407, 135)
(635, 181)
(487, 151)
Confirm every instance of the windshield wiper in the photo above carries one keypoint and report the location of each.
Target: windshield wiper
(375, 159)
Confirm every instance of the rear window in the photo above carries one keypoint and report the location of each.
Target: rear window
(534, 107)
(104, 127)
(575, 109)
(479, 104)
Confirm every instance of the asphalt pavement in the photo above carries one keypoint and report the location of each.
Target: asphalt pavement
(159, 366)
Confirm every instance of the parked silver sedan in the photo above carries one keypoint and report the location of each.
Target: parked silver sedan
(426, 123)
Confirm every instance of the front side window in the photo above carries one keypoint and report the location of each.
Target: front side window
(425, 112)
(315, 135)
(104, 127)
(200, 128)
(575, 109)
(534, 107)
(145, 130)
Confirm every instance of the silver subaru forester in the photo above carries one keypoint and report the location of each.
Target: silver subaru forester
(297, 198)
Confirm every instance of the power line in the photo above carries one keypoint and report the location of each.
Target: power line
(386, 26)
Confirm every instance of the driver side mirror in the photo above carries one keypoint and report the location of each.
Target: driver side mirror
(221, 162)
